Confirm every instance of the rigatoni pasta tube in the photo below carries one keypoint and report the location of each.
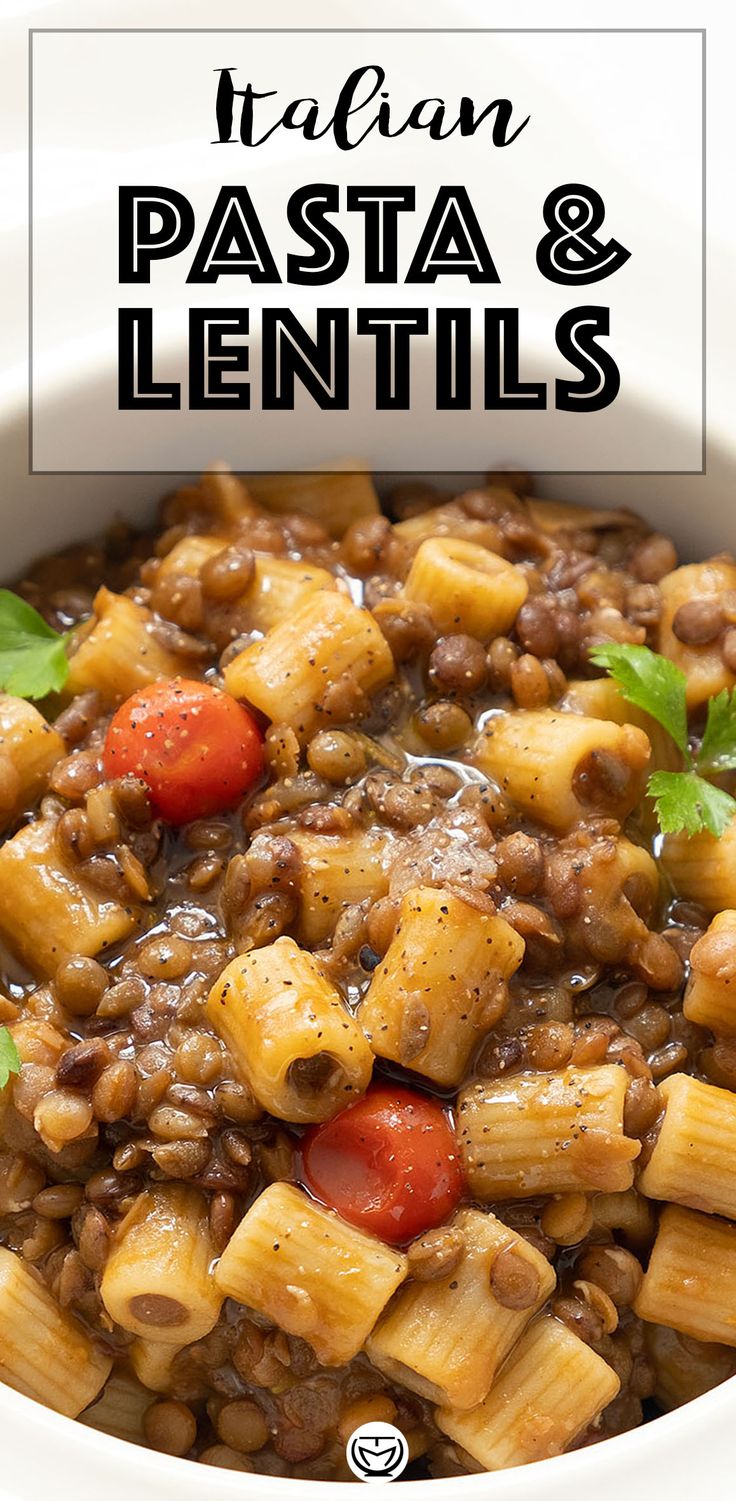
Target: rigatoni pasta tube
(466, 587)
(556, 517)
(29, 747)
(601, 698)
(158, 1370)
(692, 1161)
(118, 652)
(287, 675)
(710, 997)
(310, 1272)
(703, 665)
(438, 989)
(539, 1133)
(152, 1364)
(702, 868)
(446, 1339)
(278, 585)
(47, 910)
(338, 871)
(629, 1214)
(219, 494)
(336, 499)
(684, 1368)
(185, 559)
(551, 1387)
(560, 767)
(158, 1280)
(120, 1409)
(451, 520)
(44, 1352)
(292, 1039)
(690, 1283)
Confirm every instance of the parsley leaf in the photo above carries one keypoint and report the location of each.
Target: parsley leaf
(9, 1060)
(686, 803)
(650, 682)
(718, 750)
(33, 661)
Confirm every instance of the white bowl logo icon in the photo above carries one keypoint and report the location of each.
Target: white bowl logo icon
(377, 1452)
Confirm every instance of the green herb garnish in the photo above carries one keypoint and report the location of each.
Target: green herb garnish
(33, 661)
(684, 801)
(9, 1059)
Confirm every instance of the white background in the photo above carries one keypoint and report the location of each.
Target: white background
(621, 112)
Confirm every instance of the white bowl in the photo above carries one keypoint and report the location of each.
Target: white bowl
(42, 1454)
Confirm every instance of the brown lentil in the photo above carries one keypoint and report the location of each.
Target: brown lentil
(242, 1426)
(182, 1158)
(199, 1058)
(336, 755)
(115, 1091)
(579, 1316)
(408, 627)
(133, 802)
(536, 626)
(75, 722)
(642, 1106)
(444, 725)
(61, 1116)
(667, 1060)
(653, 558)
(59, 1201)
(435, 1254)
(222, 1219)
(529, 683)
(165, 958)
(600, 1303)
(567, 1219)
(93, 1237)
(228, 574)
(76, 775)
(458, 665)
(80, 984)
(514, 1280)
(728, 649)
(698, 622)
(549, 1045)
(81, 1065)
(170, 1427)
(121, 998)
(520, 863)
(613, 1269)
(500, 659)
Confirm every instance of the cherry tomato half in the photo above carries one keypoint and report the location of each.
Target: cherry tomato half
(388, 1164)
(197, 749)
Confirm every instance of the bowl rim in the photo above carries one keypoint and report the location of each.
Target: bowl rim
(689, 1426)
(686, 1436)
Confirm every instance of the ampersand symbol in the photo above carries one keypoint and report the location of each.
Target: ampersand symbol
(570, 254)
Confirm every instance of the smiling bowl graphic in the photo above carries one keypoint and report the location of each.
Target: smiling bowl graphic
(377, 1451)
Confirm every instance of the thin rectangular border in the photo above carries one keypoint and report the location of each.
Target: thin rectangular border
(700, 31)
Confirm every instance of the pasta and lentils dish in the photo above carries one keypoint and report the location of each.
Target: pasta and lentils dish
(368, 1018)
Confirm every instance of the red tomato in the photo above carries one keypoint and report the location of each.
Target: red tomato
(196, 749)
(388, 1164)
